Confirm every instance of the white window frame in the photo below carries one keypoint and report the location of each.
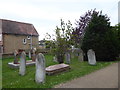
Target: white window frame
(28, 37)
(24, 41)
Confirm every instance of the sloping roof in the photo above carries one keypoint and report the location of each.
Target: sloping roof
(1, 43)
(18, 28)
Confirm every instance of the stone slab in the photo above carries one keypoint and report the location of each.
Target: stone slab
(28, 63)
(54, 69)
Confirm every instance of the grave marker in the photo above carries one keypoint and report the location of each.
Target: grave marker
(22, 67)
(81, 56)
(67, 55)
(91, 57)
(40, 69)
(15, 57)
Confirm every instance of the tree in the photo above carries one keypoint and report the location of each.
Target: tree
(100, 37)
(82, 23)
(62, 40)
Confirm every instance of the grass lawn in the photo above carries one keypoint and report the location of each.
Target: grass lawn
(11, 78)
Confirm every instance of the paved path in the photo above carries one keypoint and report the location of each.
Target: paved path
(103, 78)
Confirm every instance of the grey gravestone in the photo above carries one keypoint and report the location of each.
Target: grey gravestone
(72, 51)
(29, 54)
(40, 69)
(91, 57)
(22, 67)
(81, 56)
(33, 55)
(67, 56)
(15, 57)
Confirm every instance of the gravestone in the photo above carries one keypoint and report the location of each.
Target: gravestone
(22, 67)
(40, 69)
(33, 55)
(91, 57)
(67, 57)
(15, 57)
(29, 54)
(55, 59)
(72, 51)
(81, 56)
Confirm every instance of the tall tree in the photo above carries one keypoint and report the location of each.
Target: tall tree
(81, 24)
(100, 37)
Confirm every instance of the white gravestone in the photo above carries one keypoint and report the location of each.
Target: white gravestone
(40, 74)
(22, 67)
(67, 55)
(91, 57)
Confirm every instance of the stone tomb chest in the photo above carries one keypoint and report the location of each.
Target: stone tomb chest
(57, 69)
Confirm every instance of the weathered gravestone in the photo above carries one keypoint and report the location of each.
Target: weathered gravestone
(55, 59)
(40, 69)
(72, 51)
(22, 67)
(67, 57)
(33, 55)
(15, 57)
(91, 57)
(29, 54)
(81, 56)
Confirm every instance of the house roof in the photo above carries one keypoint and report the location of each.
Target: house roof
(18, 28)
(1, 43)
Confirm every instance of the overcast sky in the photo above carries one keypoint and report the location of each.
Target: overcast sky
(45, 15)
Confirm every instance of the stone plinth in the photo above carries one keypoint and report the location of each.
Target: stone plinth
(28, 63)
(57, 69)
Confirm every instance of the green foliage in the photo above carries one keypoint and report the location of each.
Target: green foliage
(11, 78)
(101, 38)
(62, 40)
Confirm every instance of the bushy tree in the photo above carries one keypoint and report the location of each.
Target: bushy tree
(62, 40)
(100, 37)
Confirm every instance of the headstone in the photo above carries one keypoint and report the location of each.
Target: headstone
(81, 56)
(55, 59)
(40, 69)
(15, 57)
(22, 67)
(91, 57)
(72, 51)
(33, 54)
(67, 56)
(29, 54)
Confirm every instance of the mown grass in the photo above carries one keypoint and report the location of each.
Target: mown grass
(11, 78)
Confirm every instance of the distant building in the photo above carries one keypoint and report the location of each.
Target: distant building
(119, 12)
(17, 35)
(42, 44)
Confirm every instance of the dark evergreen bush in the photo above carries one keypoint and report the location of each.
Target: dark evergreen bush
(100, 37)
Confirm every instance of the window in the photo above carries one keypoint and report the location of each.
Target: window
(28, 37)
(24, 41)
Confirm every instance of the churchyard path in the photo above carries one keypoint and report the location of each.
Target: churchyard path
(103, 78)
